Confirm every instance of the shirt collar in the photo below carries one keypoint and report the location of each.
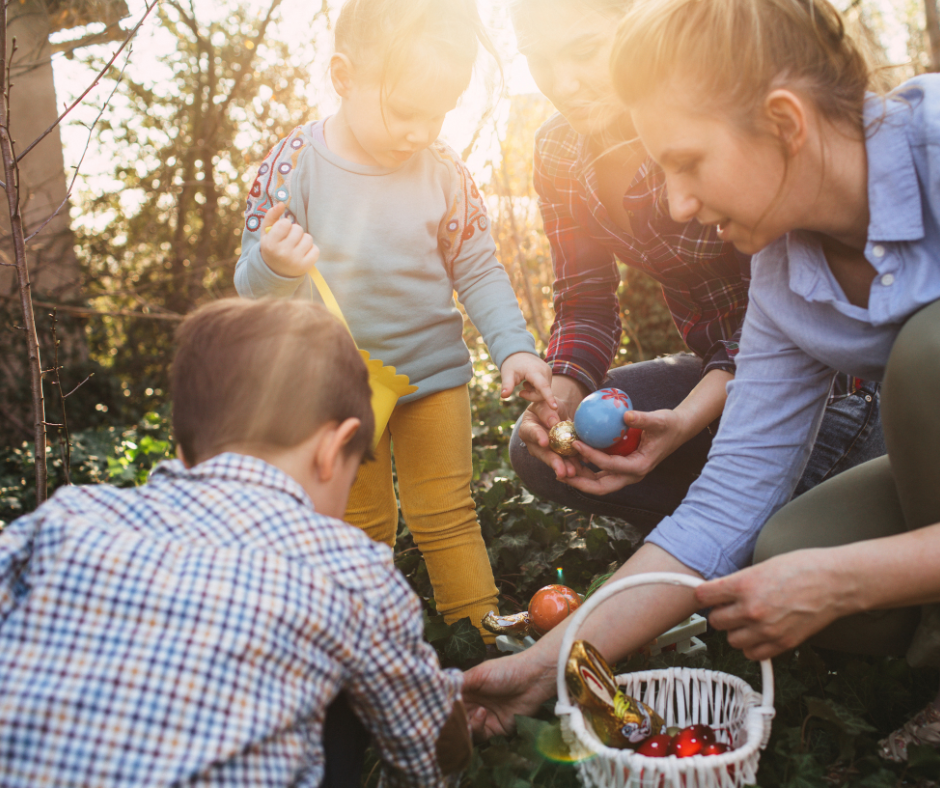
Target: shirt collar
(233, 467)
(894, 201)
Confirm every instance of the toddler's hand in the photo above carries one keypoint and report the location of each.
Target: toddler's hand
(285, 248)
(533, 372)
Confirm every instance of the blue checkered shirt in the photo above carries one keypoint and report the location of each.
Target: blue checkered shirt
(194, 630)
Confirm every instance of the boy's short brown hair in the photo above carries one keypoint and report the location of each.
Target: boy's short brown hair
(268, 373)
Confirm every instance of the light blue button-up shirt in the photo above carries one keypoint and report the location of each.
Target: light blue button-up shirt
(800, 329)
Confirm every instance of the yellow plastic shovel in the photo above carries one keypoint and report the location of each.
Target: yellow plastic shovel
(387, 385)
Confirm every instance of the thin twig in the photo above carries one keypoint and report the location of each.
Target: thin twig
(65, 438)
(97, 79)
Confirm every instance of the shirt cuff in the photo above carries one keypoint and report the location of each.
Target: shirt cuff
(571, 370)
(262, 281)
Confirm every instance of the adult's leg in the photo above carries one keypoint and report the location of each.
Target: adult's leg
(432, 442)
(652, 385)
(910, 395)
(883, 497)
(861, 503)
(850, 434)
(372, 505)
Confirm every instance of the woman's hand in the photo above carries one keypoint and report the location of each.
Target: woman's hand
(539, 418)
(285, 248)
(663, 432)
(533, 372)
(774, 606)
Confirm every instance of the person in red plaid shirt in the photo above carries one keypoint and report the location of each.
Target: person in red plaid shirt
(603, 200)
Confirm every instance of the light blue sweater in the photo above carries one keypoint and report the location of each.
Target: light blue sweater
(395, 244)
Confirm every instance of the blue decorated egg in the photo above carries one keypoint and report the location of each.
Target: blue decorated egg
(599, 422)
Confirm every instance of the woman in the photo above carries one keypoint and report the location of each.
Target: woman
(781, 152)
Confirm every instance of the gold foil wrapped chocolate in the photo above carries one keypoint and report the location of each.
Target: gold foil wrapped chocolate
(618, 720)
(561, 439)
(518, 624)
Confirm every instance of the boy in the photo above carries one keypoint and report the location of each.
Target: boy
(195, 629)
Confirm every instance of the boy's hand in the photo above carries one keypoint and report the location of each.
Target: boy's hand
(534, 373)
(285, 248)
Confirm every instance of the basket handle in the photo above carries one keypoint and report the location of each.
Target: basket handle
(615, 587)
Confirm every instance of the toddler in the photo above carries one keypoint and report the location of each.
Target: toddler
(395, 225)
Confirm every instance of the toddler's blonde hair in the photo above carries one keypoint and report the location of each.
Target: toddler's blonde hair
(381, 36)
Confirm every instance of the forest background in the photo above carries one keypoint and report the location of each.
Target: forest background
(158, 160)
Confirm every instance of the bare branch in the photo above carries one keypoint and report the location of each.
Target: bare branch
(150, 6)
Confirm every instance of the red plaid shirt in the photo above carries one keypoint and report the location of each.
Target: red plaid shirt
(704, 280)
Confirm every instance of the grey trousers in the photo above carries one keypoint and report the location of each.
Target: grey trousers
(882, 497)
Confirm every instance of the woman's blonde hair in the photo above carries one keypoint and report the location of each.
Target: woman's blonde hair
(381, 35)
(732, 53)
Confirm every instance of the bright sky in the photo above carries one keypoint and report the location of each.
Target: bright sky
(293, 27)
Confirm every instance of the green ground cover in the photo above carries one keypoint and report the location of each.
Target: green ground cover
(831, 709)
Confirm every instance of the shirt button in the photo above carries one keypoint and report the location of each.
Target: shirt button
(878, 250)
(887, 280)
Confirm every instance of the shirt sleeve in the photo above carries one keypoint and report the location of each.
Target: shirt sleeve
(400, 692)
(775, 405)
(586, 332)
(279, 179)
(480, 280)
(17, 543)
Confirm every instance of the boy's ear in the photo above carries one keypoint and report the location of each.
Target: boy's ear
(330, 449)
(341, 74)
(786, 113)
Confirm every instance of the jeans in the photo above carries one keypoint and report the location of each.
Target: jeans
(850, 434)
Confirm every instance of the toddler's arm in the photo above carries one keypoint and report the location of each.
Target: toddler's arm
(276, 251)
(483, 286)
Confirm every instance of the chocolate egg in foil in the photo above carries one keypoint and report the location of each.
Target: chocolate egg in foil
(561, 439)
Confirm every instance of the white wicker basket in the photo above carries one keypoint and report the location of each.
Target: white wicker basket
(682, 696)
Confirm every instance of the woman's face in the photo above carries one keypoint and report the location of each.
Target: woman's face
(717, 172)
(567, 46)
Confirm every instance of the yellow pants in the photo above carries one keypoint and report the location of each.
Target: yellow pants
(434, 462)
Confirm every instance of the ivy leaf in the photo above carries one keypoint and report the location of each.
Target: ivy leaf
(595, 540)
(435, 628)
(923, 760)
(465, 644)
(838, 715)
(805, 772)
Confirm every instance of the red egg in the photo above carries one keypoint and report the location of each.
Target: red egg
(715, 748)
(626, 445)
(551, 605)
(690, 741)
(655, 746)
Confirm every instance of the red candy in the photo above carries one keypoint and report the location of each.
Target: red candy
(551, 605)
(691, 741)
(656, 746)
(715, 748)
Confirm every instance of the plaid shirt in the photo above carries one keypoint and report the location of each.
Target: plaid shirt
(704, 280)
(193, 631)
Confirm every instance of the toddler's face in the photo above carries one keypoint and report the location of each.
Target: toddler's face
(414, 111)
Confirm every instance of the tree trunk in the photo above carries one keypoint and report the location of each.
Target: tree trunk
(933, 33)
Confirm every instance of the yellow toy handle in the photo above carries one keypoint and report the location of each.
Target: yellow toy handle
(329, 301)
